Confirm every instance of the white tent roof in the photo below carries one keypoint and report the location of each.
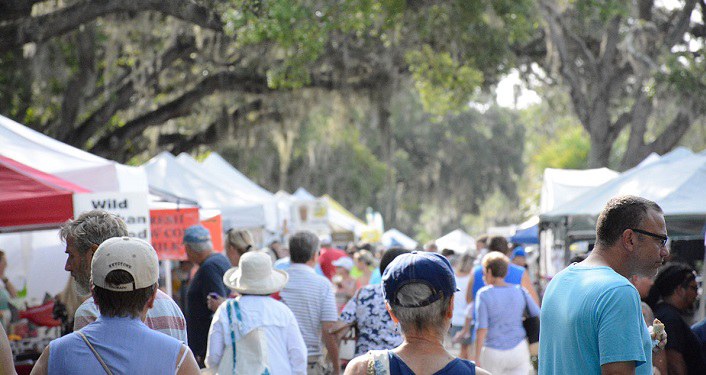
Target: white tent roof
(340, 217)
(676, 182)
(165, 173)
(35, 256)
(562, 185)
(46, 154)
(394, 237)
(220, 172)
(216, 165)
(303, 194)
(457, 240)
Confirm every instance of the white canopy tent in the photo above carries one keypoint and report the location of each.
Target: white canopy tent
(458, 240)
(215, 164)
(303, 194)
(220, 172)
(562, 185)
(675, 181)
(395, 238)
(342, 219)
(36, 258)
(46, 154)
(165, 173)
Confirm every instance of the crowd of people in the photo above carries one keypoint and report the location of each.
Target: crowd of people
(285, 309)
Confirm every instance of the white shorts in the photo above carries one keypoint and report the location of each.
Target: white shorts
(515, 361)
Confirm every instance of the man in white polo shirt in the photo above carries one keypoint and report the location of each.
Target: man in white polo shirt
(311, 299)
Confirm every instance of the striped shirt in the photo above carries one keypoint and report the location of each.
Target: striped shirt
(165, 316)
(311, 299)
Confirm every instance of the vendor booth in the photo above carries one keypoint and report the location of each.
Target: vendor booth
(457, 240)
(31, 199)
(395, 238)
(675, 181)
(165, 173)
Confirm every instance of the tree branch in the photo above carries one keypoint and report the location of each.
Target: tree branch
(676, 33)
(120, 98)
(14, 9)
(41, 28)
(184, 143)
(81, 83)
(566, 70)
(609, 45)
(181, 106)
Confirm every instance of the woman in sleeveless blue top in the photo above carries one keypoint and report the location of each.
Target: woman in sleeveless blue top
(419, 292)
(456, 366)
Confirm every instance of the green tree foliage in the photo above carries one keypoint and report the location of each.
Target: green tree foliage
(123, 79)
(620, 61)
(568, 151)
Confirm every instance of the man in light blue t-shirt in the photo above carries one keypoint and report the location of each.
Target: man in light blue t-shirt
(591, 319)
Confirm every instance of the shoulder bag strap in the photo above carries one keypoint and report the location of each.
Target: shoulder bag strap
(232, 304)
(183, 357)
(95, 353)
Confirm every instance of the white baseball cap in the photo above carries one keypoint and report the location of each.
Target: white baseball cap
(133, 255)
(345, 262)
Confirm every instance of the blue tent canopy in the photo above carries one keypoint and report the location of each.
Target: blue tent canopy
(527, 236)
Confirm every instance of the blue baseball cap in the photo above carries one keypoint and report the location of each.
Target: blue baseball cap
(430, 269)
(196, 234)
(518, 252)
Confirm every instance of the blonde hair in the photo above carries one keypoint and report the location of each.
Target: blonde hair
(241, 240)
(496, 263)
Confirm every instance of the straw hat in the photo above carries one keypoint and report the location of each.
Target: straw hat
(255, 275)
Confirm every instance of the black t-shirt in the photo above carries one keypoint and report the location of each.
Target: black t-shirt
(681, 338)
(208, 279)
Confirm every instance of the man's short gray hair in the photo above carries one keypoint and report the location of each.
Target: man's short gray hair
(200, 247)
(419, 319)
(303, 246)
(92, 228)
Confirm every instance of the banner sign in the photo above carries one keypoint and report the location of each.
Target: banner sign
(310, 215)
(168, 231)
(215, 226)
(168, 227)
(132, 207)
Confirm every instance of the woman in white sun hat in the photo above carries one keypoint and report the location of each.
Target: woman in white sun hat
(265, 333)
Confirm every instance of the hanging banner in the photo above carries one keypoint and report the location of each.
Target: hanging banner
(132, 207)
(168, 227)
(310, 215)
(168, 231)
(215, 226)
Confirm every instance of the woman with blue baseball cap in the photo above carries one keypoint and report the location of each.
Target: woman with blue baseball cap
(419, 292)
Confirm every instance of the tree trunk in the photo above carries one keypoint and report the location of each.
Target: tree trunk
(600, 135)
(382, 96)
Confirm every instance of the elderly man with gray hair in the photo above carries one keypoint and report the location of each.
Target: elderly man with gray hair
(311, 299)
(83, 236)
(124, 276)
(208, 279)
(419, 292)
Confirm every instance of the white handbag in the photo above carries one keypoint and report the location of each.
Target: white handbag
(250, 354)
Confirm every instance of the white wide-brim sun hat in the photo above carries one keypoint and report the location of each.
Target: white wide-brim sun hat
(255, 275)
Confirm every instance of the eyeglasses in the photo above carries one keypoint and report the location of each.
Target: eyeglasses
(660, 237)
